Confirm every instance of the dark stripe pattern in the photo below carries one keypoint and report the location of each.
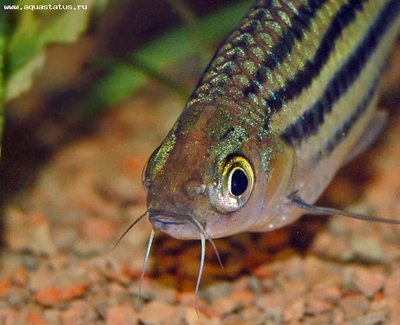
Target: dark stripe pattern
(310, 121)
(342, 132)
(304, 78)
(300, 25)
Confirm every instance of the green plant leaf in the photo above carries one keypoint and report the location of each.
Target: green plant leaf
(34, 29)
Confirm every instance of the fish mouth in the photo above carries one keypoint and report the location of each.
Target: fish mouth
(176, 225)
(161, 219)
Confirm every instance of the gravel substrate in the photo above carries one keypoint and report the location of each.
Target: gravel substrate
(58, 265)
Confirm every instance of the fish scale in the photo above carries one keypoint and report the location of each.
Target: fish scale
(244, 39)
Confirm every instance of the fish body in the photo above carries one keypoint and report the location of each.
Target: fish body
(287, 98)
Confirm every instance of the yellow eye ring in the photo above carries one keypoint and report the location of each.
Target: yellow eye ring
(238, 179)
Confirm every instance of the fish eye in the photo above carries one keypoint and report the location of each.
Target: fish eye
(236, 184)
(238, 181)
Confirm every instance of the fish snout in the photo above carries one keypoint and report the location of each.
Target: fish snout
(175, 225)
(160, 221)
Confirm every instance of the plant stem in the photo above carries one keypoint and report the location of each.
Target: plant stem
(191, 21)
(177, 87)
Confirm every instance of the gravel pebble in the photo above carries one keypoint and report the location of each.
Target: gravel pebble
(35, 317)
(315, 306)
(121, 315)
(21, 276)
(8, 316)
(272, 304)
(5, 287)
(225, 305)
(367, 249)
(354, 306)
(156, 312)
(331, 247)
(97, 229)
(392, 285)
(217, 289)
(326, 291)
(193, 317)
(294, 310)
(78, 312)
(367, 282)
(52, 296)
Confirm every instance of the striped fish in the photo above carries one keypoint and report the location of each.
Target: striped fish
(288, 98)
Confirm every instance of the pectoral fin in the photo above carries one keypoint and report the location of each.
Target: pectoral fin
(374, 128)
(325, 211)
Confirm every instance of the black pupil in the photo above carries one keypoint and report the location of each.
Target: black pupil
(239, 182)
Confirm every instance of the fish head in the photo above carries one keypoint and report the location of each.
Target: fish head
(212, 176)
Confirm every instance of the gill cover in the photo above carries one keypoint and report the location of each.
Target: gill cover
(252, 185)
(278, 176)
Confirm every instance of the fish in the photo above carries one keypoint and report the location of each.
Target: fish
(289, 97)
